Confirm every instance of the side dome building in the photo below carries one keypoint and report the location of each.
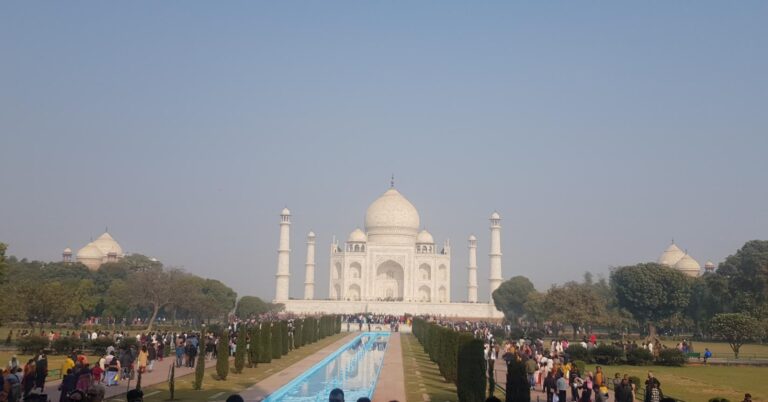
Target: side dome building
(102, 250)
(676, 258)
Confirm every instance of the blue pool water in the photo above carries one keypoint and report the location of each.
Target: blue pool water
(354, 368)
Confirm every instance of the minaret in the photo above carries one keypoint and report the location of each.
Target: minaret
(283, 257)
(309, 279)
(495, 255)
(472, 268)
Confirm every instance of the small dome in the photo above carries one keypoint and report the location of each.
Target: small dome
(671, 255)
(495, 215)
(90, 251)
(424, 237)
(67, 250)
(472, 238)
(311, 234)
(688, 265)
(709, 265)
(357, 235)
(391, 212)
(285, 211)
(107, 245)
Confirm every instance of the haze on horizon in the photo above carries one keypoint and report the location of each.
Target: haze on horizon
(599, 131)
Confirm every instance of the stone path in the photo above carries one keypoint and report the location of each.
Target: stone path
(262, 389)
(391, 384)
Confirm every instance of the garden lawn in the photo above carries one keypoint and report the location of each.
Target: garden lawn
(699, 383)
(219, 390)
(723, 350)
(422, 377)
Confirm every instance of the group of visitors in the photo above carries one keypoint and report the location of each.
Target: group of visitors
(17, 382)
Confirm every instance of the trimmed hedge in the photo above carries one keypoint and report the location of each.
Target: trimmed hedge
(470, 384)
(32, 344)
(240, 349)
(671, 357)
(222, 358)
(197, 384)
(265, 351)
(286, 341)
(254, 342)
(443, 345)
(277, 341)
(577, 352)
(607, 354)
(639, 357)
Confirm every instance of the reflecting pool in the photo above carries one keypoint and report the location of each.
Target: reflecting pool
(354, 368)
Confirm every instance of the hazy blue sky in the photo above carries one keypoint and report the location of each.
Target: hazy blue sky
(599, 130)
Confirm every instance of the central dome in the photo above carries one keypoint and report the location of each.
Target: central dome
(392, 214)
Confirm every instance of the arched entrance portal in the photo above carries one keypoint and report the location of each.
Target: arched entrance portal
(389, 281)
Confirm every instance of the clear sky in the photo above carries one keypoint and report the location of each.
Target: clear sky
(599, 130)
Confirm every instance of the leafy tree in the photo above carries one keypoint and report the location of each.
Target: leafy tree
(575, 304)
(511, 296)
(199, 368)
(222, 358)
(736, 328)
(251, 306)
(151, 288)
(49, 303)
(746, 273)
(651, 292)
(3, 264)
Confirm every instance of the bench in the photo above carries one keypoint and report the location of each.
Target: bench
(693, 355)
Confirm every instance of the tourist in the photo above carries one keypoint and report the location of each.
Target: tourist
(336, 395)
(143, 358)
(41, 371)
(623, 392)
(68, 364)
(14, 363)
(28, 379)
(562, 388)
(550, 386)
(96, 391)
(586, 389)
(707, 355)
(179, 353)
(365, 399)
(530, 369)
(575, 380)
(113, 368)
(67, 386)
(747, 397)
(652, 389)
(12, 384)
(84, 378)
(151, 356)
(235, 398)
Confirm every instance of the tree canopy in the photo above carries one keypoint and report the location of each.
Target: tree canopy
(252, 306)
(651, 292)
(735, 328)
(511, 296)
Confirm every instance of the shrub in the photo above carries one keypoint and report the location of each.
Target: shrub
(277, 341)
(32, 344)
(199, 368)
(671, 357)
(639, 357)
(240, 350)
(222, 358)
(636, 380)
(470, 385)
(254, 341)
(286, 342)
(265, 351)
(719, 399)
(576, 352)
(607, 354)
(65, 344)
(298, 337)
(100, 345)
(128, 341)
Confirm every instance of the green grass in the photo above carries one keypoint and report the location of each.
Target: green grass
(422, 375)
(699, 383)
(723, 350)
(234, 382)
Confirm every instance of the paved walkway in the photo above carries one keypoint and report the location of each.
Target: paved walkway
(391, 384)
(262, 389)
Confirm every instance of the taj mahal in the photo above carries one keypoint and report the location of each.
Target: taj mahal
(390, 267)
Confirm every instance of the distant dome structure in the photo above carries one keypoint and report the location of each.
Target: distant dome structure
(709, 267)
(671, 255)
(104, 249)
(425, 237)
(689, 266)
(676, 258)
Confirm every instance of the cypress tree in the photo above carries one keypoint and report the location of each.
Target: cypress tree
(277, 340)
(222, 360)
(199, 367)
(253, 346)
(470, 385)
(297, 333)
(265, 351)
(286, 343)
(240, 349)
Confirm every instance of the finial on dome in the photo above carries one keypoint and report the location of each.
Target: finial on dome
(392, 181)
